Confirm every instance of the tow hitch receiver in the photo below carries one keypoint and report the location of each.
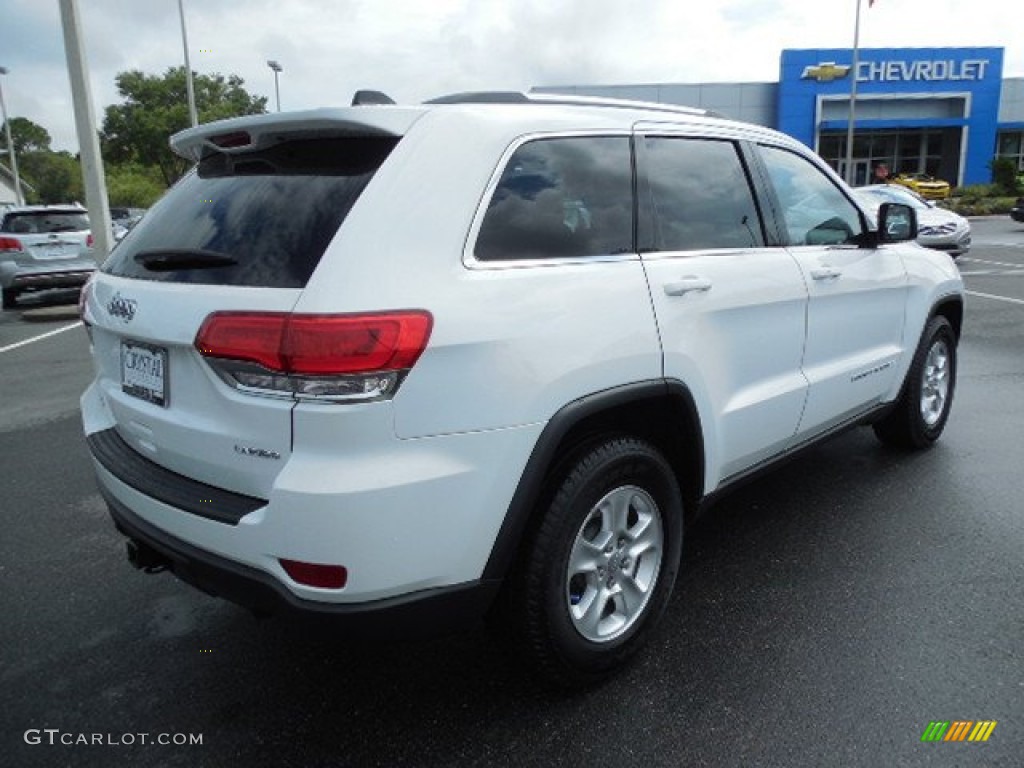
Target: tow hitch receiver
(145, 558)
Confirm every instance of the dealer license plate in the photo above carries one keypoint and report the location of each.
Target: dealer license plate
(144, 371)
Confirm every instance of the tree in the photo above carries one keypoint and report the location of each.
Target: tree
(155, 107)
(27, 136)
(55, 176)
(133, 186)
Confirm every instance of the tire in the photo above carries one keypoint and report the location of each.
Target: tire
(10, 298)
(597, 573)
(920, 413)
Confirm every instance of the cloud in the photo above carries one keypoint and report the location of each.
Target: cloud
(330, 48)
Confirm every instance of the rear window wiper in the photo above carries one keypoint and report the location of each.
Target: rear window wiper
(183, 258)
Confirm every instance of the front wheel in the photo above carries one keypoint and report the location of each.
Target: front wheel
(920, 414)
(597, 573)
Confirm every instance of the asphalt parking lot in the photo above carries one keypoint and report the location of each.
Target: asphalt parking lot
(824, 616)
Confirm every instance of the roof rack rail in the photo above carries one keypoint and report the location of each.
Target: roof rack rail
(367, 97)
(516, 97)
(605, 101)
(482, 97)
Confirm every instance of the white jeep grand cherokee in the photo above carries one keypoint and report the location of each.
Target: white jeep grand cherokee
(487, 355)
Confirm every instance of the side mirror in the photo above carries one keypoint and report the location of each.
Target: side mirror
(897, 223)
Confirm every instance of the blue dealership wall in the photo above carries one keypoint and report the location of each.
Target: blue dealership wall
(807, 75)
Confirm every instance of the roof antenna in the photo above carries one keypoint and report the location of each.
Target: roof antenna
(365, 98)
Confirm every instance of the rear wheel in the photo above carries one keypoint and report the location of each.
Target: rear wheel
(920, 414)
(10, 298)
(598, 572)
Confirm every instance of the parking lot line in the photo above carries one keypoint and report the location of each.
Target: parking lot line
(989, 261)
(972, 293)
(990, 272)
(40, 337)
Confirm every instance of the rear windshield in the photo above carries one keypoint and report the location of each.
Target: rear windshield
(45, 222)
(261, 218)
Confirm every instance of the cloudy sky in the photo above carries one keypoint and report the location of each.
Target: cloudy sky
(417, 49)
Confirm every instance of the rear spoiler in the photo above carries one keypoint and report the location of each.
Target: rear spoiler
(243, 134)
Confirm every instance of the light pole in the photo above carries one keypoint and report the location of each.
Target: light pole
(85, 126)
(10, 145)
(188, 69)
(849, 175)
(277, 88)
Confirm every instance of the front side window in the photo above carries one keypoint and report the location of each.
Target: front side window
(561, 198)
(813, 210)
(695, 195)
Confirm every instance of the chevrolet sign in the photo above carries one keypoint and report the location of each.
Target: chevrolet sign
(825, 72)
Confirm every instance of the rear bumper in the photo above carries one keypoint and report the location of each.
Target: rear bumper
(27, 280)
(442, 608)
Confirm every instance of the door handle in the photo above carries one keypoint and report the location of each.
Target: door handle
(688, 284)
(826, 273)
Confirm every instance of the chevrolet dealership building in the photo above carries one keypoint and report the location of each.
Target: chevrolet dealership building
(942, 111)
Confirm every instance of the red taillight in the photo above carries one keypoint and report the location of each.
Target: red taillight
(320, 345)
(255, 338)
(317, 345)
(89, 240)
(316, 574)
(334, 357)
(10, 244)
(231, 140)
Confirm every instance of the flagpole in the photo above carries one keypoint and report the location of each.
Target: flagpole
(853, 98)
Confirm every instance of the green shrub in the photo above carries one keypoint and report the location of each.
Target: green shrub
(1004, 175)
(975, 192)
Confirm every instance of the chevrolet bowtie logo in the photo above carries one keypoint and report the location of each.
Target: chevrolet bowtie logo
(825, 72)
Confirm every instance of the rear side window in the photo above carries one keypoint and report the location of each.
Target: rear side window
(45, 222)
(561, 198)
(261, 218)
(695, 195)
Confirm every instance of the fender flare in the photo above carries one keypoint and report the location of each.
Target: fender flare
(545, 455)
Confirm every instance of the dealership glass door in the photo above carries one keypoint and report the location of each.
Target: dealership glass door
(861, 172)
(913, 150)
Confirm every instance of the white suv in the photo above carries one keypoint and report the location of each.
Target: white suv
(487, 355)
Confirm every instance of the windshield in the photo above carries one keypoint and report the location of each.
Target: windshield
(883, 194)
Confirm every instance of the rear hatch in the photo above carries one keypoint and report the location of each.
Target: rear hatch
(238, 236)
(47, 238)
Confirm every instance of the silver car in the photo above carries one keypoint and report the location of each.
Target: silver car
(43, 246)
(936, 227)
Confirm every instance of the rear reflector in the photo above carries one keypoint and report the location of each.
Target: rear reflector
(316, 574)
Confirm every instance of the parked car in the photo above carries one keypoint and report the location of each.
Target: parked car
(927, 186)
(1017, 212)
(937, 227)
(322, 388)
(43, 247)
(125, 217)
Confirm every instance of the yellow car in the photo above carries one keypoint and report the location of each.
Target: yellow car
(926, 186)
